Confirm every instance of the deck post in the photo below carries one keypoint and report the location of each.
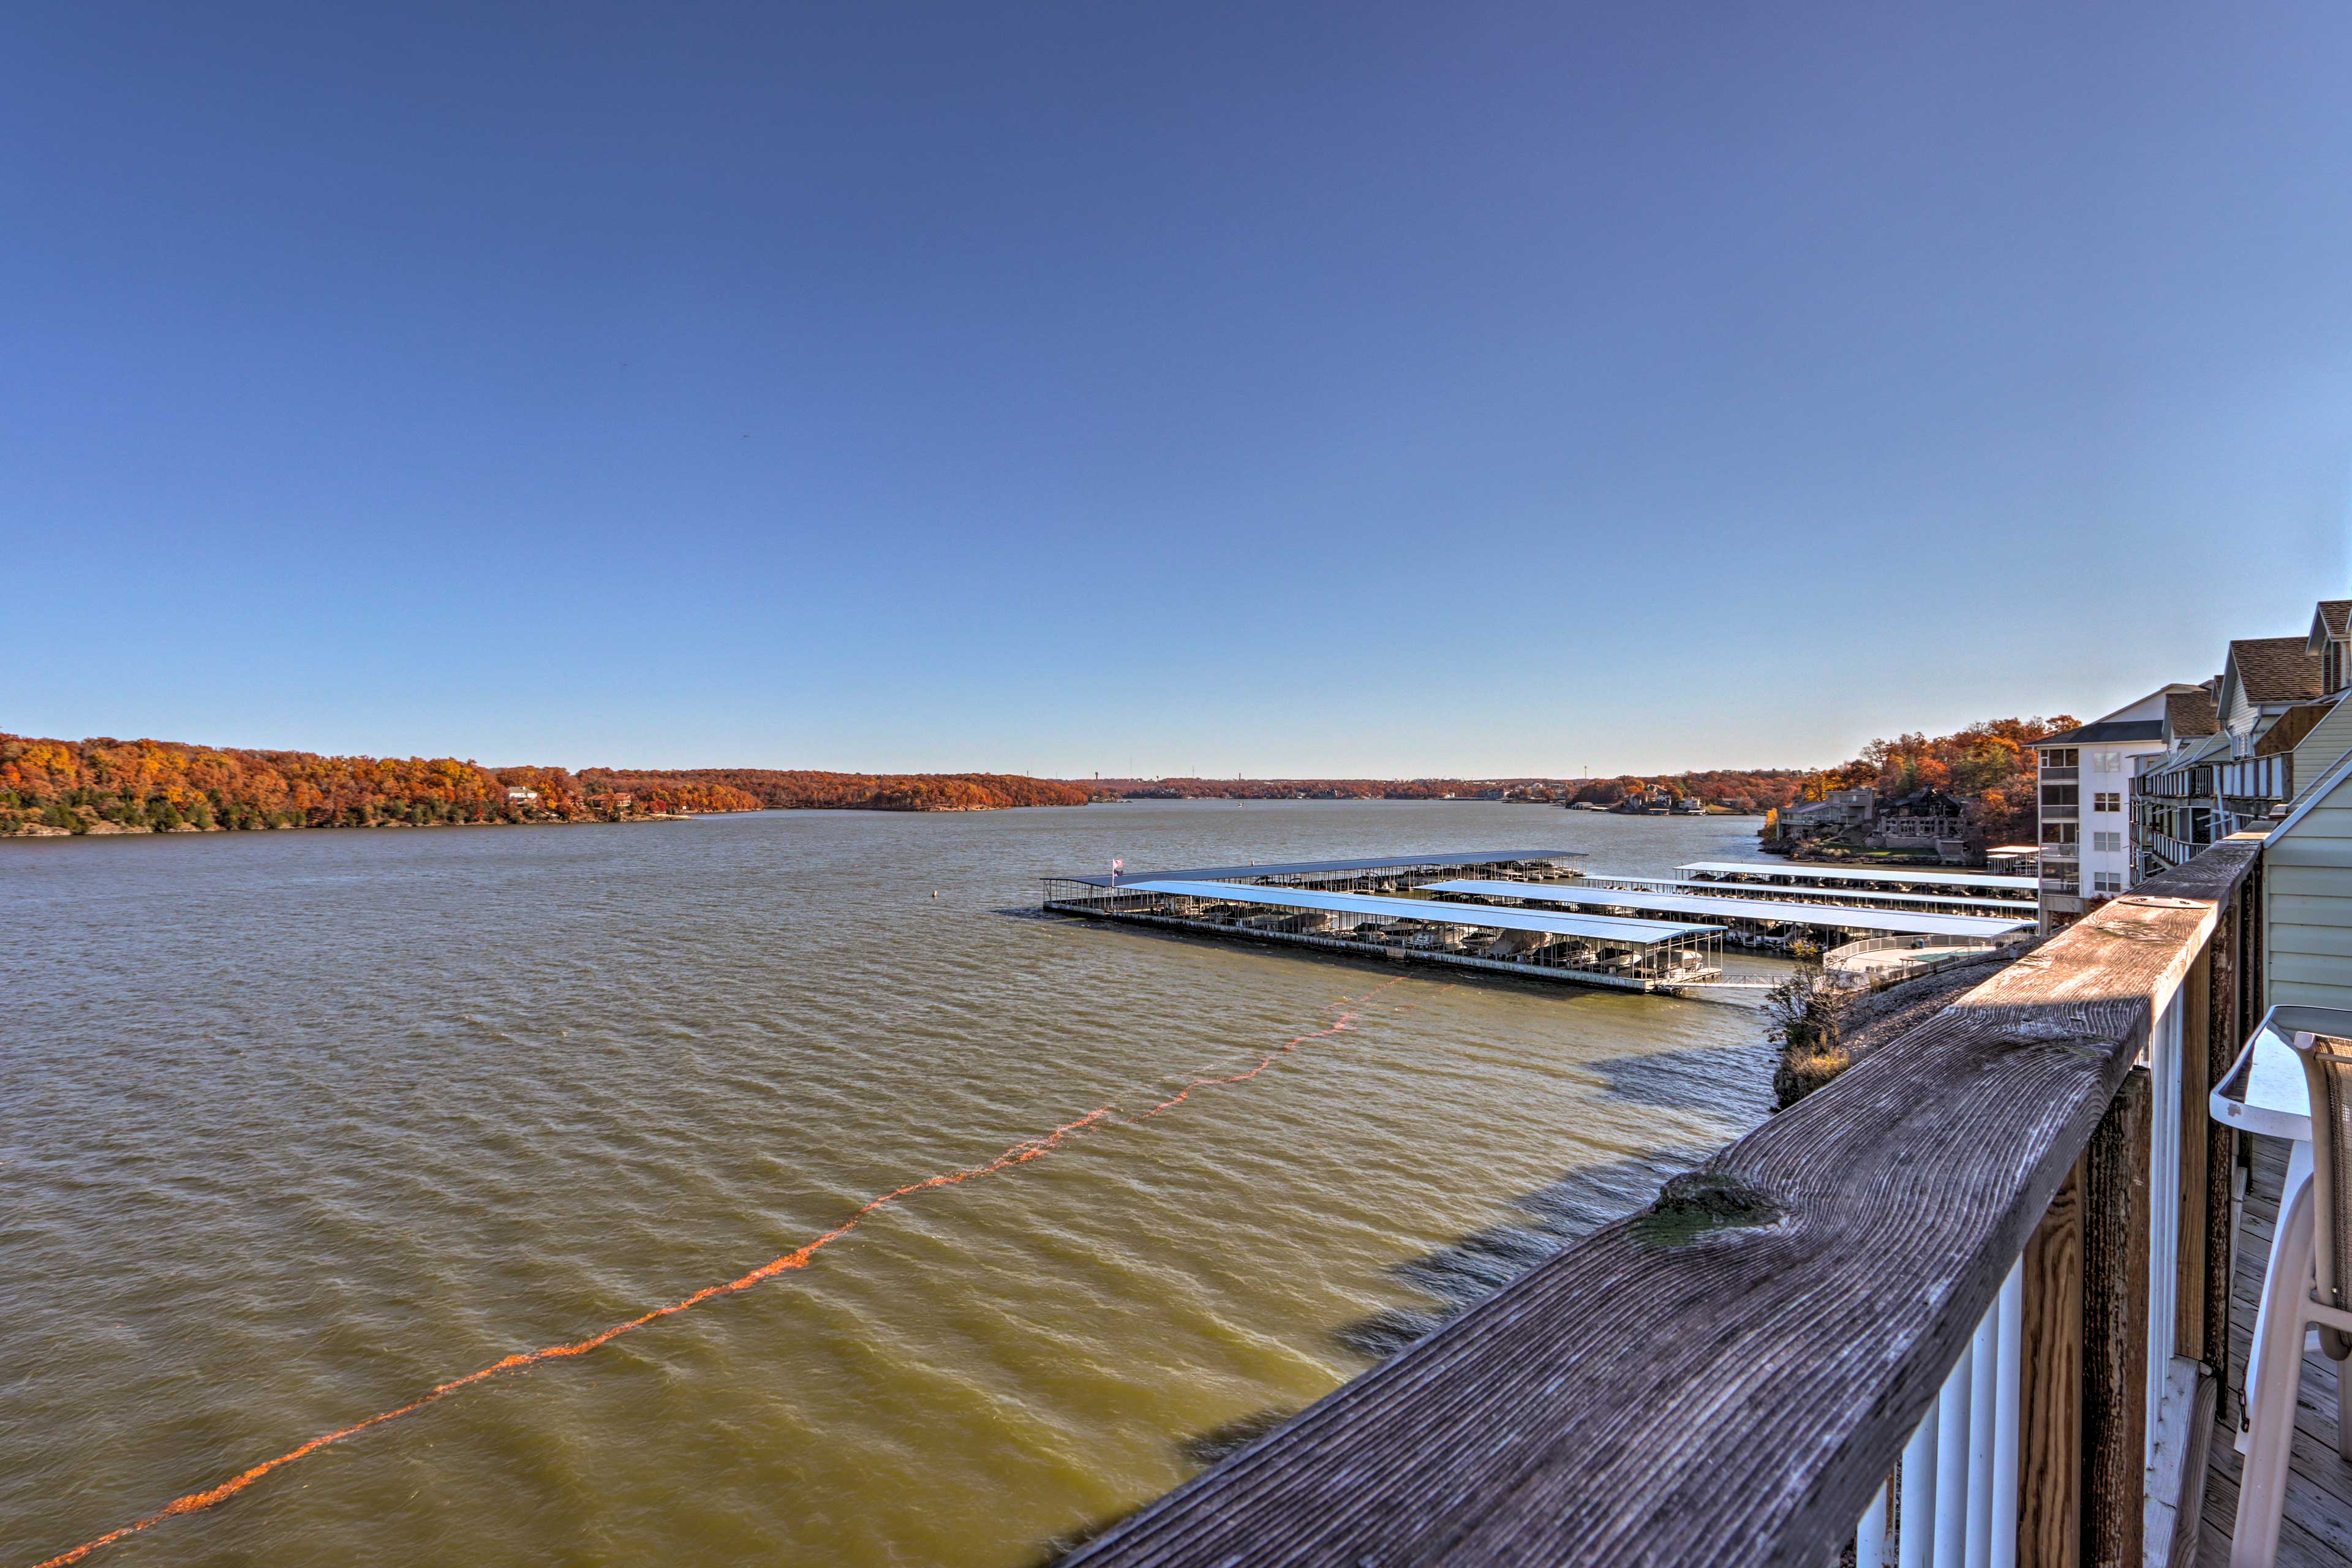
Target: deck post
(2194, 1217)
(2049, 1386)
(2116, 1192)
(2253, 988)
(2222, 1011)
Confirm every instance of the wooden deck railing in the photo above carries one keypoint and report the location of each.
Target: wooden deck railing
(1731, 1375)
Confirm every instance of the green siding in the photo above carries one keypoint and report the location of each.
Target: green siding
(2319, 855)
(2307, 892)
(2316, 755)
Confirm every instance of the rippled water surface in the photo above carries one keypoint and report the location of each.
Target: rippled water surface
(300, 1125)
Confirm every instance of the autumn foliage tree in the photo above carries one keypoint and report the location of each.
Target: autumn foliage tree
(1991, 766)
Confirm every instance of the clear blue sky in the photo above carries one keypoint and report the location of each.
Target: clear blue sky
(1339, 389)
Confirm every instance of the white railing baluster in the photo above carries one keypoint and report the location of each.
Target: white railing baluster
(1984, 1409)
(1953, 1503)
(1951, 1515)
(1916, 1539)
(2164, 1049)
(1870, 1536)
(2011, 1339)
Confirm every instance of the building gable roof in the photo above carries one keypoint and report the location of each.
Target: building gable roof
(2189, 714)
(1924, 803)
(2332, 619)
(2274, 669)
(2107, 731)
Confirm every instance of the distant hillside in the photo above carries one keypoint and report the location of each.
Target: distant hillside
(106, 786)
(1745, 789)
(798, 790)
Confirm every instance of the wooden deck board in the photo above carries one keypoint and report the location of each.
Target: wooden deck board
(2317, 1530)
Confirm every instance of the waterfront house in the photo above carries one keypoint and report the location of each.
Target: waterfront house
(517, 795)
(1923, 819)
(2273, 751)
(2192, 732)
(2313, 746)
(2263, 678)
(2246, 769)
(2189, 714)
(1838, 812)
(2331, 641)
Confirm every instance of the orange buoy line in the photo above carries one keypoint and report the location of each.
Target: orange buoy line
(1020, 1154)
(1345, 1020)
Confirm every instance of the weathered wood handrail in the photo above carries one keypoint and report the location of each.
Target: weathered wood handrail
(1728, 1376)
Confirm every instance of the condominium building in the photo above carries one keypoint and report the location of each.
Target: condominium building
(2086, 811)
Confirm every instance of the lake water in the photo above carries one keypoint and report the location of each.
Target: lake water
(300, 1125)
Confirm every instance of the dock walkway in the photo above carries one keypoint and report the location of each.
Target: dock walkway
(1733, 910)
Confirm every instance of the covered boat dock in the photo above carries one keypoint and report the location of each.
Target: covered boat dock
(1941, 903)
(1387, 874)
(1752, 920)
(1623, 953)
(1893, 878)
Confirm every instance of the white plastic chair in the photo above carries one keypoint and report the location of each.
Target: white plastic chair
(2314, 1275)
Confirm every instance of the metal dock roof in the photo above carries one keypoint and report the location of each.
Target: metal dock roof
(1603, 927)
(1863, 874)
(1680, 885)
(1837, 917)
(1312, 868)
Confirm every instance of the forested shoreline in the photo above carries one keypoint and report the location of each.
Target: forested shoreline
(795, 789)
(1742, 789)
(103, 785)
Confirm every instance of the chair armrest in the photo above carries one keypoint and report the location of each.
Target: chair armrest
(2233, 1087)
